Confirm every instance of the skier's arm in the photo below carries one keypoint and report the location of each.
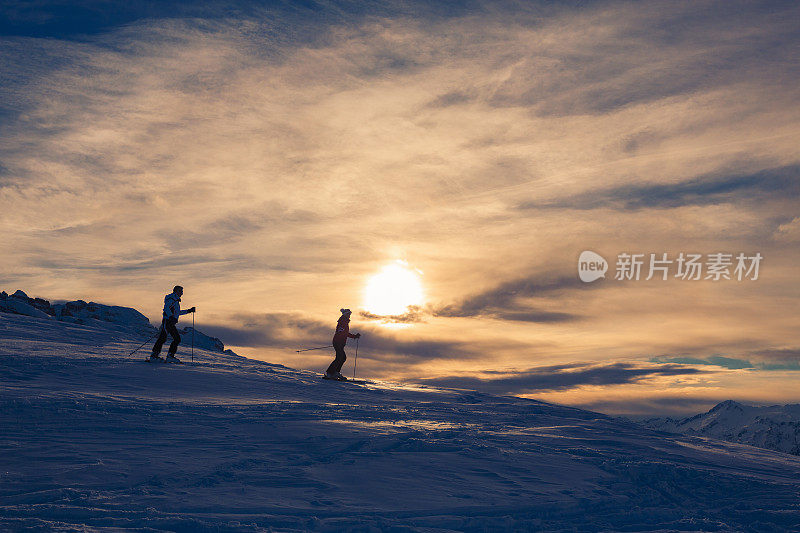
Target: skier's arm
(190, 310)
(354, 336)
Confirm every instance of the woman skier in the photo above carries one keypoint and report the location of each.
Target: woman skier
(339, 340)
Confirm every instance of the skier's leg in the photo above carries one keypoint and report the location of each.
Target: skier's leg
(332, 366)
(176, 338)
(336, 364)
(162, 336)
(341, 357)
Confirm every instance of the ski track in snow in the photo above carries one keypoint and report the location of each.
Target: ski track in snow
(94, 440)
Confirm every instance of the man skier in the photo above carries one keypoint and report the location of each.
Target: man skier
(339, 340)
(172, 310)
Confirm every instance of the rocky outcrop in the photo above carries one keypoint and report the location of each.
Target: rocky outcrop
(19, 303)
(91, 313)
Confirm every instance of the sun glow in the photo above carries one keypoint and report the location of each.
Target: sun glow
(393, 290)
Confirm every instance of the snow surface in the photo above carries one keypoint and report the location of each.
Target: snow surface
(94, 440)
(114, 317)
(776, 427)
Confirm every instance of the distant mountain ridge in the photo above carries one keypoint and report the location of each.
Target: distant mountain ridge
(101, 316)
(775, 427)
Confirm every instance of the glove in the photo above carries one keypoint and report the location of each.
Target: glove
(358, 335)
(192, 310)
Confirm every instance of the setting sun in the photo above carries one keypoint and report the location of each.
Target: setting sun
(393, 290)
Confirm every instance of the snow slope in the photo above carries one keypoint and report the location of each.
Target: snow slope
(113, 317)
(93, 439)
(776, 427)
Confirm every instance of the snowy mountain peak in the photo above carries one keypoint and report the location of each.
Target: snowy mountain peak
(727, 405)
(775, 427)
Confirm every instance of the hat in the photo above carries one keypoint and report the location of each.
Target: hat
(345, 311)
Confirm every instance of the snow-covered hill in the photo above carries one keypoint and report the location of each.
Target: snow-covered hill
(93, 439)
(776, 427)
(101, 316)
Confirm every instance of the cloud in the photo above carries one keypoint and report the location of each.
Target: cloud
(413, 314)
(541, 317)
(450, 99)
(620, 57)
(731, 363)
(506, 301)
(80, 19)
(140, 263)
(759, 360)
(563, 377)
(777, 358)
(398, 349)
(281, 330)
(788, 232)
(771, 184)
(657, 405)
(237, 225)
(297, 331)
(271, 157)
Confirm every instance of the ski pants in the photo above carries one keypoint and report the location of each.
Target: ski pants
(167, 326)
(341, 357)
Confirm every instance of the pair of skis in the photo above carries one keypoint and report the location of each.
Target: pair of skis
(345, 380)
(159, 360)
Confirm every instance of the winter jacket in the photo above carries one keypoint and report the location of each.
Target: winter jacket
(172, 306)
(342, 332)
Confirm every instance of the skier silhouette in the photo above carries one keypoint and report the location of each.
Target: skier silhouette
(339, 340)
(172, 310)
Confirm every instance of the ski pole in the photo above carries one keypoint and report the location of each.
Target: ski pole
(145, 342)
(355, 363)
(192, 337)
(317, 348)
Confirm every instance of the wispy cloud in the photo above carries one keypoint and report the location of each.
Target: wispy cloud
(283, 330)
(767, 359)
(273, 157)
(413, 314)
(714, 360)
(656, 405)
(507, 301)
(563, 377)
(772, 184)
(237, 225)
(296, 331)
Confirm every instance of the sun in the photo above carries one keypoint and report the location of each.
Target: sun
(393, 290)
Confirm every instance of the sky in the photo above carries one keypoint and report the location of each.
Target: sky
(274, 157)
